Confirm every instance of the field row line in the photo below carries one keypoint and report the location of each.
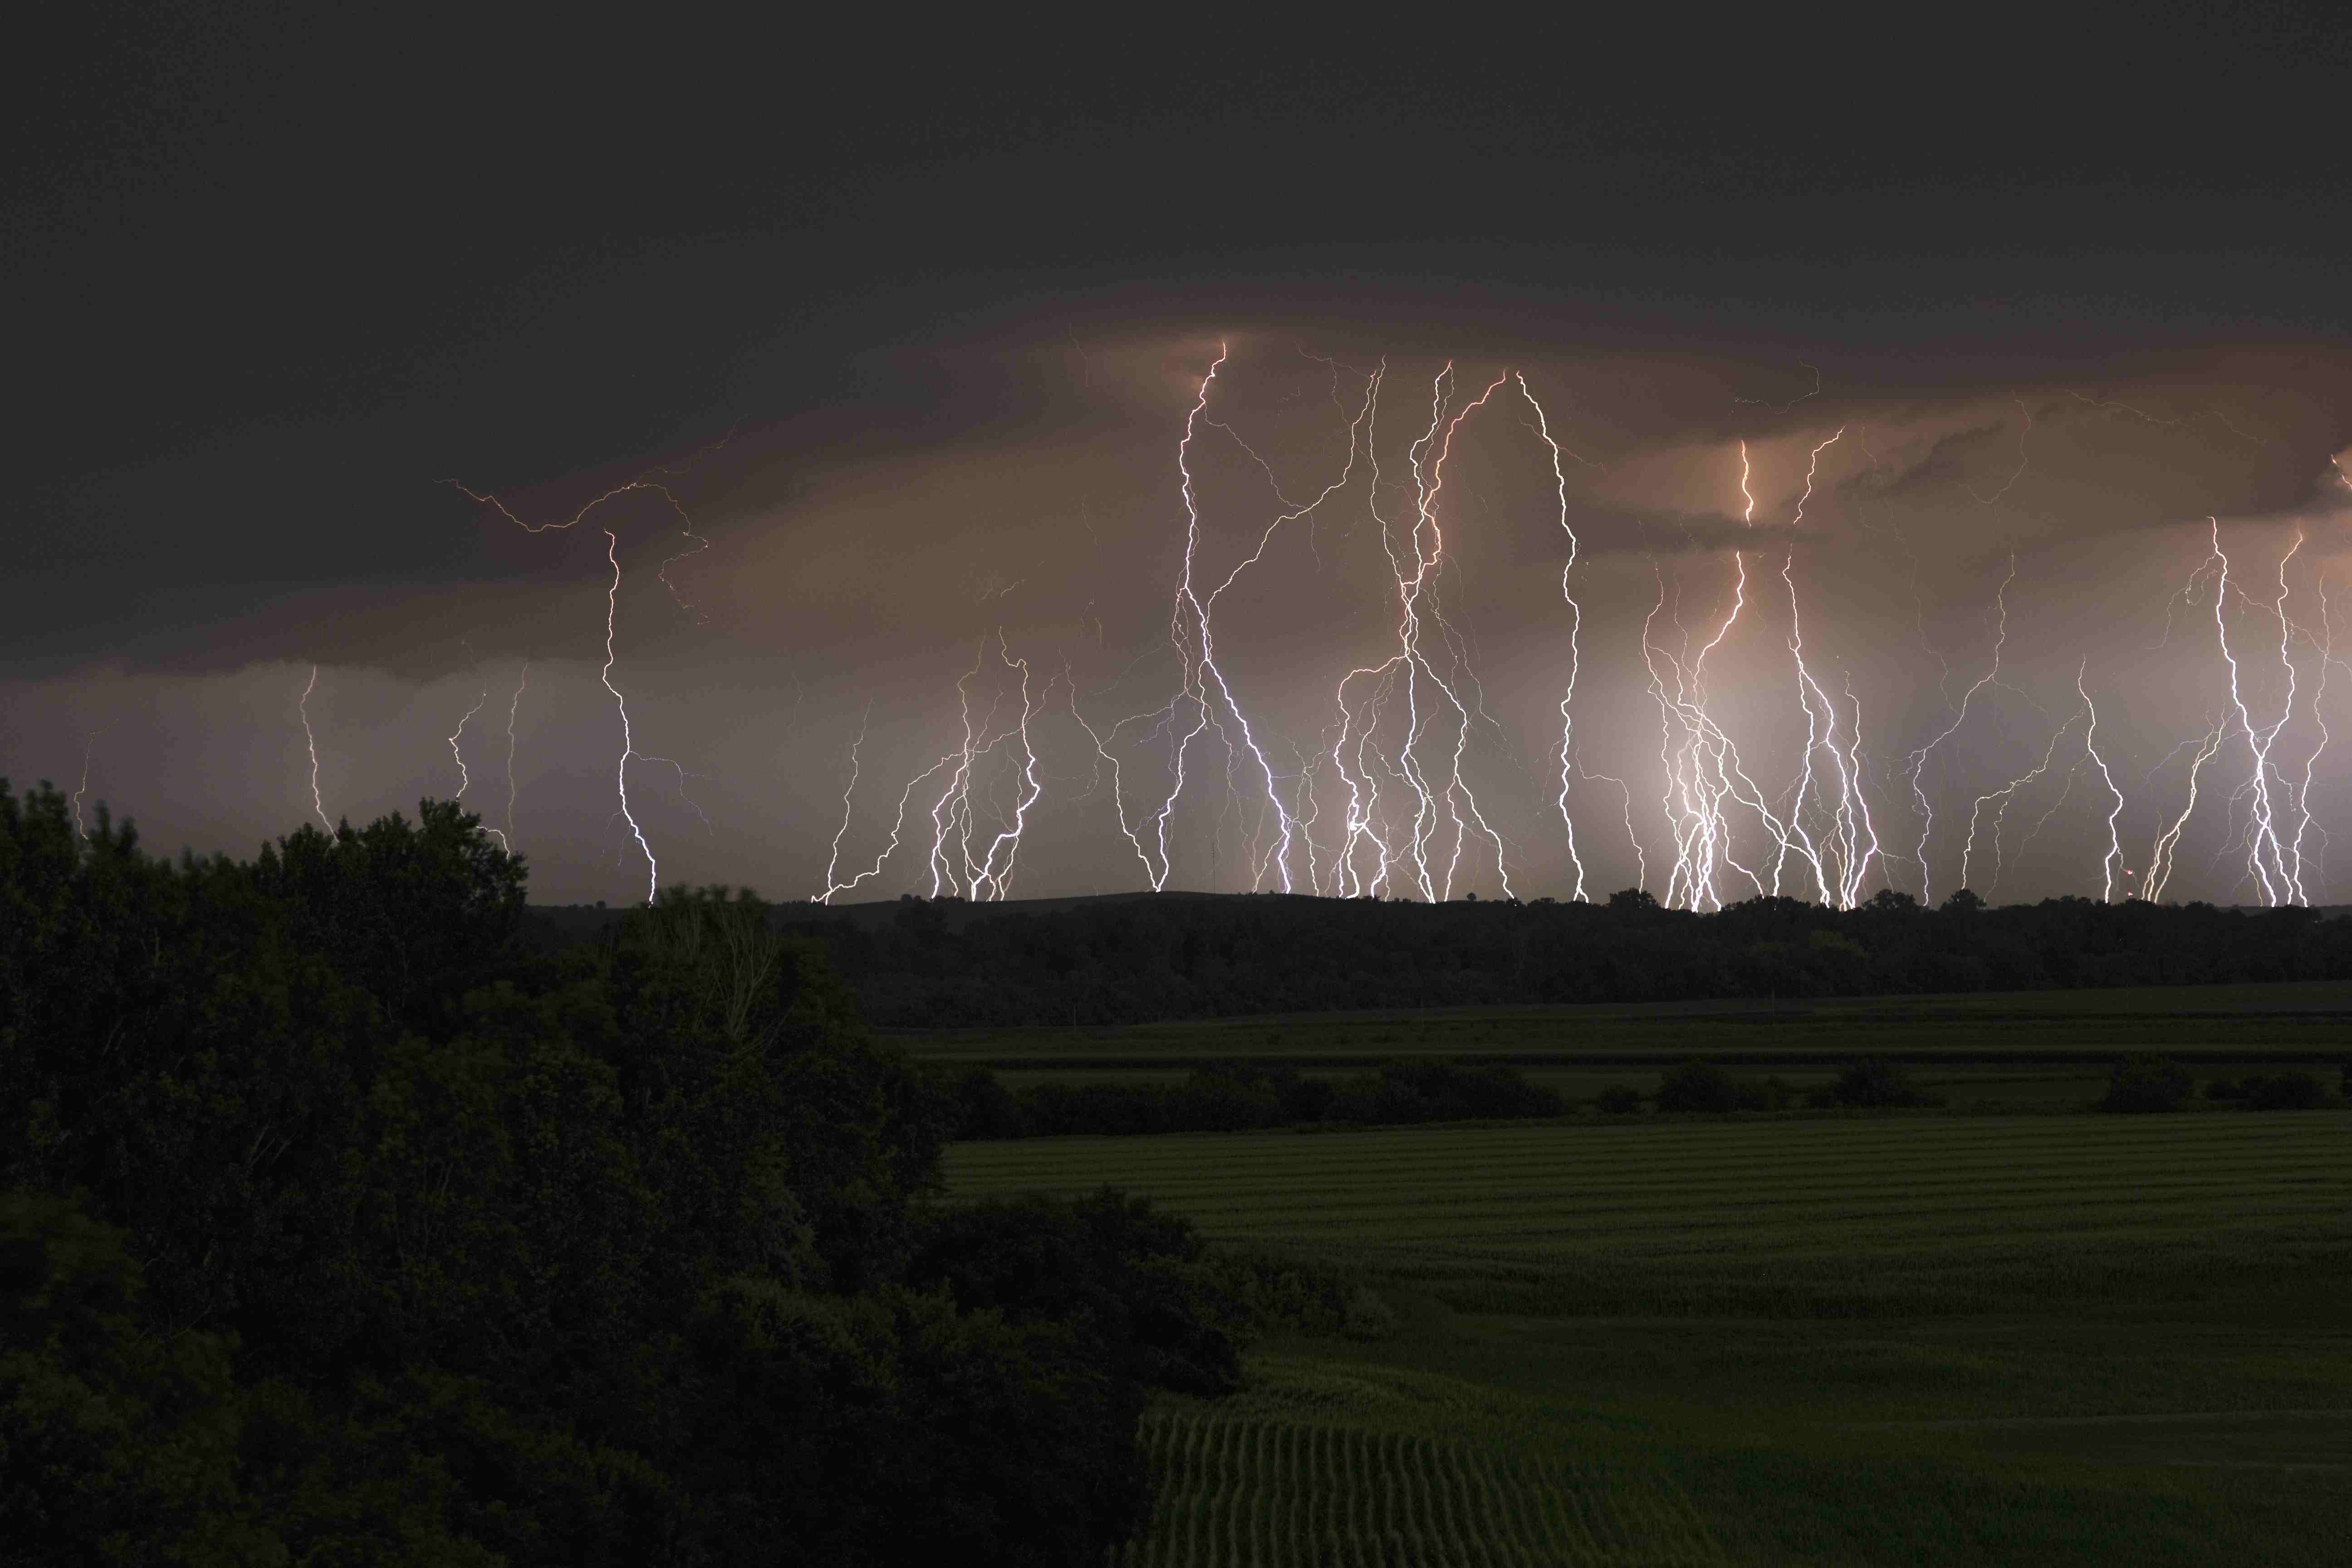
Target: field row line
(1257, 1489)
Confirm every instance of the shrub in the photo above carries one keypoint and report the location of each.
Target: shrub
(1271, 1293)
(984, 1108)
(2145, 1083)
(1697, 1085)
(1410, 1091)
(1369, 1316)
(2226, 1089)
(1133, 1276)
(1619, 1099)
(2288, 1091)
(1876, 1081)
(1763, 1093)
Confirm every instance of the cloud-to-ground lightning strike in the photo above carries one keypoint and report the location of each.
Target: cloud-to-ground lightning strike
(1705, 775)
(621, 706)
(2272, 874)
(2004, 794)
(310, 742)
(81, 789)
(1852, 842)
(648, 484)
(464, 778)
(1917, 761)
(1575, 626)
(1192, 634)
(507, 839)
(2168, 843)
(2326, 647)
(2091, 746)
(848, 790)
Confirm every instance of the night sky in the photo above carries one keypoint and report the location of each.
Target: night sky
(910, 325)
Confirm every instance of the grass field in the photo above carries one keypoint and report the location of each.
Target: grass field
(1845, 1215)
(1832, 1340)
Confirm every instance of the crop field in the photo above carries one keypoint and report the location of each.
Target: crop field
(1870, 1340)
(1263, 1490)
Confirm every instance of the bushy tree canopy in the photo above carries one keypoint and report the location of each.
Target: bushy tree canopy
(341, 1225)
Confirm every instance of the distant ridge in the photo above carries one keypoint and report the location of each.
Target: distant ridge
(576, 921)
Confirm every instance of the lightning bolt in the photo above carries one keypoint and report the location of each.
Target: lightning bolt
(2004, 794)
(2091, 745)
(2273, 875)
(848, 790)
(81, 789)
(311, 740)
(1575, 626)
(506, 839)
(2022, 461)
(644, 482)
(1918, 759)
(621, 706)
(2311, 763)
(2160, 857)
(464, 779)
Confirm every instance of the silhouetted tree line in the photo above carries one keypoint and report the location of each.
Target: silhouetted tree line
(1139, 960)
(2145, 1083)
(1871, 1083)
(338, 1224)
(1233, 1098)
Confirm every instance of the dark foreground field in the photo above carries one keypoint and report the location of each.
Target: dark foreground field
(2046, 1339)
(2043, 1337)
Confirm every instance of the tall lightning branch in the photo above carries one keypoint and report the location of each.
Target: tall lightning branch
(1820, 735)
(2091, 745)
(2326, 642)
(1575, 625)
(1918, 759)
(848, 790)
(955, 816)
(1204, 692)
(1704, 771)
(992, 878)
(621, 706)
(2271, 874)
(310, 742)
(898, 827)
(1457, 793)
(2289, 872)
(81, 789)
(506, 839)
(2004, 794)
(1184, 642)
(1406, 671)
(464, 778)
(647, 483)
(1206, 608)
(2168, 843)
